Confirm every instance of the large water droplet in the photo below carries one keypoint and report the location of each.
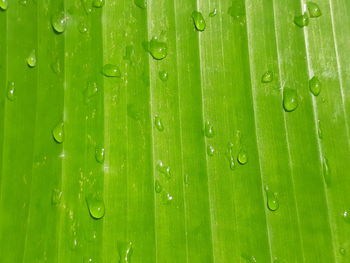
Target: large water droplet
(210, 150)
(213, 13)
(4, 4)
(11, 91)
(141, 3)
(125, 252)
(346, 216)
(163, 75)
(100, 154)
(301, 20)
(158, 49)
(272, 201)
(164, 169)
(56, 197)
(326, 172)
(157, 187)
(59, 22)
(242, 157)
(209, 130)
(110, 70)
(314, 9)
(290, 100)
(96, 207)
(158, 123)
(58, 132)
(98, 3)
(315, 86)
(198, 20)
(31, 59)
(267, 77)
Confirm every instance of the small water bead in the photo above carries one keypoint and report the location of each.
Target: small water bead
(167, 198)
(301, 20)
(198, 20)
(83, 28)
(272, 201)
(96, 207)
(319, 129)
(232, 163)
(141, 3)
(290, 100)
(11, 91)
(98, 3)
(88, 260)
(100, 154)
(164, 169)
(157, 187)
(342, 251)
(315, 86)
(213, 13)
(31, 59)
(56, 66)
(59, 22)
(346, 216)
(133, 112)
(110, 70)
(58, 132)
(314, 9)
(56, 197)
(158, 123)
(237, 11)
(326, 171)
(4, 4)
(23, 2)
(267, 77)
(163, 75)
(242, 157)
(210, 150)
(157, 49)
(125, 252)
(209, 130)
(90, 91)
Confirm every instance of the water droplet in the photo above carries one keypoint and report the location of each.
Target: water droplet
(4, 4)
(88, 260)
(133, 112)
(248, 258)
(82, 27)
(267, 77)
(98, 3)
(315, 86)
(100, 154)
(110, 70)
(90, 91)
(167, 198)
(96, 207)
(164, 169)
(198, 20)
(125, 252)
(232, 163)
(301, 20)
(237, 11)
(59, 22)
(319, 129)
(158, 123)
(157, 49)
(209, 130)
(31, 59)
(242, 157)
(58, 132)
(342, 251)
(210, 150)
(23, 2)
(11, 91)
(158, 187)
(290, 100)
(56, 66)
(163, 75)
(213, 13)
(346, 216)
(141, 3)
(56, 197)
(272, 202)
(314, 9)
(326, 172)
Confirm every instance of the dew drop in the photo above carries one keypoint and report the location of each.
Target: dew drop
(346, 216)
(96, 207)
(213, 13)
(342, 251)
(267, 77)
(125, 252)
(198, 21)
(163, 169)
(210, 150)
(232, 163)
(314, 9)
(56, 66)
(209, 130)
(23, 2)
(4, 4)
(58, 132)
(237, 11)
(290, 100)
(100, 154)
(11, 91)
(163, 75)
(110, 70)
(56, 197)
(141, 3)
(167, 198)
(326, 172)
(88, 260)
(272, 202)
(82, 27)
(98, 3)
(31, 59)
(158, 123)
(90, 91)
(242, 157)
(301, 20)
(133, 112)
(157, 187)
(319, 130)
(157, 49)
(59, 22)
(315, 86)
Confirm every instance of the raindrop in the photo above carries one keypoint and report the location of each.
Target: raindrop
(110, 70)
(346, 216)
(11, 91)
(100, 154)
(82, 27)
(4, 4)
(163, 75)
(301, 20)
(158, 123)
(209, 130)
(31, 59)
(314, 9)
(167, 198)
(290, 100)
(88, 260)
(315, 86)
(213, 13)
(272, 202)
(242, 157)
(210, 150)
(232, 163)
(125, 252)
(141, 3)
(157, 187)
(56, 197)
(267, 77)
(164, 169)
(59, 22)
(198, 20)
(58, 132)
(98, 3)
(157, 49)
(96, 207)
